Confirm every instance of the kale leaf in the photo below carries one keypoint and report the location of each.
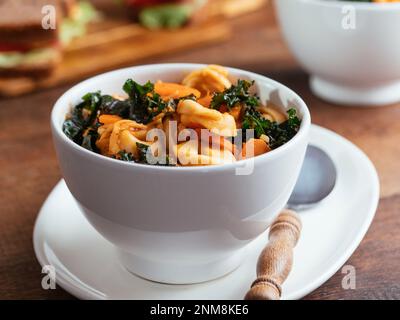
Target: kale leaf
(293, 121)
(145, 104)
(142, 106)
(278, 134)
(91, 101)
(90, 138)
(254, 120)
(146, 157)
(125, 156)
(73, 129)
(82, 116)
(238, 93)
(110, 105)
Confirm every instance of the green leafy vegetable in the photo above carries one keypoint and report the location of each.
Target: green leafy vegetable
(145, 103)
(293, 121)
(146, 156)
(137, 91)
(89, 139)
(73, 129)
(125, 156)
(82, 117)
(238, 93)
(165, 16)
(254, 120)
(91, 102)
(142, 106)
(76, 26)
(278, 134)
(74, 126)
(110, 105)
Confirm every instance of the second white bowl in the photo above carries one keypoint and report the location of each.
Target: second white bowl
(351, 49)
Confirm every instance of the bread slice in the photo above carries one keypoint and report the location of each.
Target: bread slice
(26, 48)
(32, 50)
(21, 21)
(35, 63)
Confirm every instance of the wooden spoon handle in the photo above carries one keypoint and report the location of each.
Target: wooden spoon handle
(276, 260)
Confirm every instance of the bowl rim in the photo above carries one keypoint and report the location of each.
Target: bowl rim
(365, 6)
(62, 100)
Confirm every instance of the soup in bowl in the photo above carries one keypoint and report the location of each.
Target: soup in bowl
(164, 165)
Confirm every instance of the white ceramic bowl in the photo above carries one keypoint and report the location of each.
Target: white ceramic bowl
(179, 224)
(356, 66)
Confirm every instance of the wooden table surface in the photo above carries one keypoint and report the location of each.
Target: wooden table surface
(29, 170)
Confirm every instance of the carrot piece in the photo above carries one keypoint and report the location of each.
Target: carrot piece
(109, 118)
(254, 147)
(174, 90)
(236, 112)
(206, 100)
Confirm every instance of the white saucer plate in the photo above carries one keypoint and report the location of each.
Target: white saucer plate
(87, 266)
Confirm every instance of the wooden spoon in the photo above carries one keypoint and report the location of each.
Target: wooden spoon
(276, 260)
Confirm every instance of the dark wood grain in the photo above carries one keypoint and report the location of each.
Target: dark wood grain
(28, 167)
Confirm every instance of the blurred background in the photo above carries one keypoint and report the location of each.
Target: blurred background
(100, 35)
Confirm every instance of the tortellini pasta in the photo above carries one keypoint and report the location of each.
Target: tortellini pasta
(121, 135)
(103, 143)
(192, 123)
(188, 154)
(128, 142)
(194, 115)
(209, 79)
(272, 114)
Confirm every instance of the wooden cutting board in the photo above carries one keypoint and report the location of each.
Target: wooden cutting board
(114, 42)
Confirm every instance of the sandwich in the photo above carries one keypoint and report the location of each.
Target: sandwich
(158, 14)
(27, 48)
(77, 15)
